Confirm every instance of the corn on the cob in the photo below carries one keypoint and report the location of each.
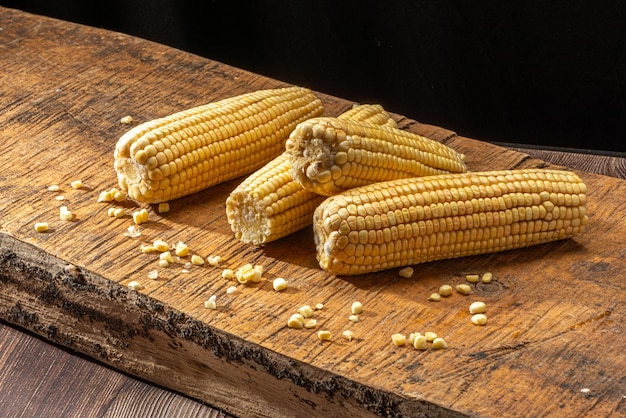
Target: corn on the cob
(410, 221)
(188, 151)
(269, 204)
(328, 155)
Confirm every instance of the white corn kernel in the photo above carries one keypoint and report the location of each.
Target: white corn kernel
(348, 335)
(279, 284)
(430, 336)
(420, 342)
(310, 323)
(41, 226)
(54, 188)
(77, 184)
(167, 256)
(477, 307)
(472, 278)
(161, 245)
(463, 289)
(487, 277)
(126, 120)
(231, 290)
(445, 290)
(153, 274)
(398, 339)
(324, 335)
(306, 311)
(357, 308)
(181, 249)
(60, 198)
(439, 344)
(196, 260)
(479, 319)
(64, 214)
(214, 260)
(354, 318)
(406, 272)
(164, 263)
(111, 212)
(211, 303)
(434, 297)
(135, 285)
(118, 196)
(119, 212)
(228, 274)
(319, 306)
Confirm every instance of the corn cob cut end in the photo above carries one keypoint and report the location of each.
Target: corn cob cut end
(410, 221)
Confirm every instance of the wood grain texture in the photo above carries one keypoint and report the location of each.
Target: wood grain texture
(65, 88)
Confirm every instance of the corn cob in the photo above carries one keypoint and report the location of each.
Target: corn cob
(269, 204)
(188, 151)
(329, 155)
(409, 221)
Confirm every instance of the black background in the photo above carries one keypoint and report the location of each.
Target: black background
(544, 73)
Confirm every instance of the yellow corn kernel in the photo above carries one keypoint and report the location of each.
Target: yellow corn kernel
(487, 277)
(406, 272)
(329, 155)
(77, 184)
(181, 249)
(196, 260)
(135, 285)
(410, 221)
(398, 339)
(214, 260)
(105, 196)
(147, 249)
(279, 284)
(160, 245)
(420, 342)
(41, 226)
(270, 204)
(65, 214)
(228, 274)
(166, 256)
(324, 335)
(472, 278)
(141, 216)
(191, 150)
(439, 344)
(463, 289)
(248, 273)
(126, 120)
(163, 207)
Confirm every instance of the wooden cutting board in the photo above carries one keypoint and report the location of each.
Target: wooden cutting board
(554, 344)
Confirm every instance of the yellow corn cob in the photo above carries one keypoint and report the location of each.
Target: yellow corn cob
(188, 151)
(409, 221)
(329, 155)
(269, 204)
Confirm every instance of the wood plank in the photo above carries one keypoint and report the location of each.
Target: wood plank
(65, 88)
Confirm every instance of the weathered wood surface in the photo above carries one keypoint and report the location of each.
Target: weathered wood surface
(556, 311)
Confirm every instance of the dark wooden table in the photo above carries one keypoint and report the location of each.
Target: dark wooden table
(41, 379)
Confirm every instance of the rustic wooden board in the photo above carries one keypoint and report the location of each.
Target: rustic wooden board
(553, 346)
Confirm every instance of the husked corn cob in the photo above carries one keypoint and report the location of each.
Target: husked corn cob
(328, 155)
(409, 221)
(188, 151)
(270, 204)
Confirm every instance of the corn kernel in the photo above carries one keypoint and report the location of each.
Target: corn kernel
(472, 278)
(354, 318)
(356, 308)
(479, 319)
(324, 335)
(41, 226)
(147, 249)
(434, 297)
(310, 323)
(211, 303)
(463, 289)
(214, 260)
(430, 336)
(140, 216)
(319, 306)
(445, 290)
(406, 272)
(196, 260)
(398, 339)
(487, 277)
(119, 212)
(420, 342)
(163, 207)
(118, 196)
(477, 307)
(105, 197)
(228, 274)
(126, 120)
(279, 284)
(439, 344)
(348, 335)
(164, 263)
(231, 290)
(135, 285)
(295, 322)
(161, 245)
(167, 256)
(54, 188)
(77, 184)
(65, 214)
(306, 311)
(181, 249)
(111, 212)
(247, 273)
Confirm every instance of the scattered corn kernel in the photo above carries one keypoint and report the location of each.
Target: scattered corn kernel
(357, 308)
(406, 272)
(430, 336)
(164, 263)
(41, 226)
(487, 277)
(463, 289)
(77, 184)
(319, 306)
(181, 249)
(445, 290)
(439, 344)
(214, 260)
(310, 323)
(479, 319)
(295, 322)
(196, 260)
(118, 195)
(279, 284)
(167, 256)
(348, 335)
(119, 212)
(231, 290)
(434, 297)
(105, 197)
(354, 318)
(324, 335)
(111, 212)
(153, 274)
(228, 274)
(141, 216)
(147, 249)
(306, 311)
(65, 214)
(211, 303)
(412, 336)
(472, 278)
(54, 188)
(163, 207)
(420, 342)
(477, 307)
(60, 198)
(126, 120)
(247, 273)
(135, 285)
(398, 339)
(161, 245)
